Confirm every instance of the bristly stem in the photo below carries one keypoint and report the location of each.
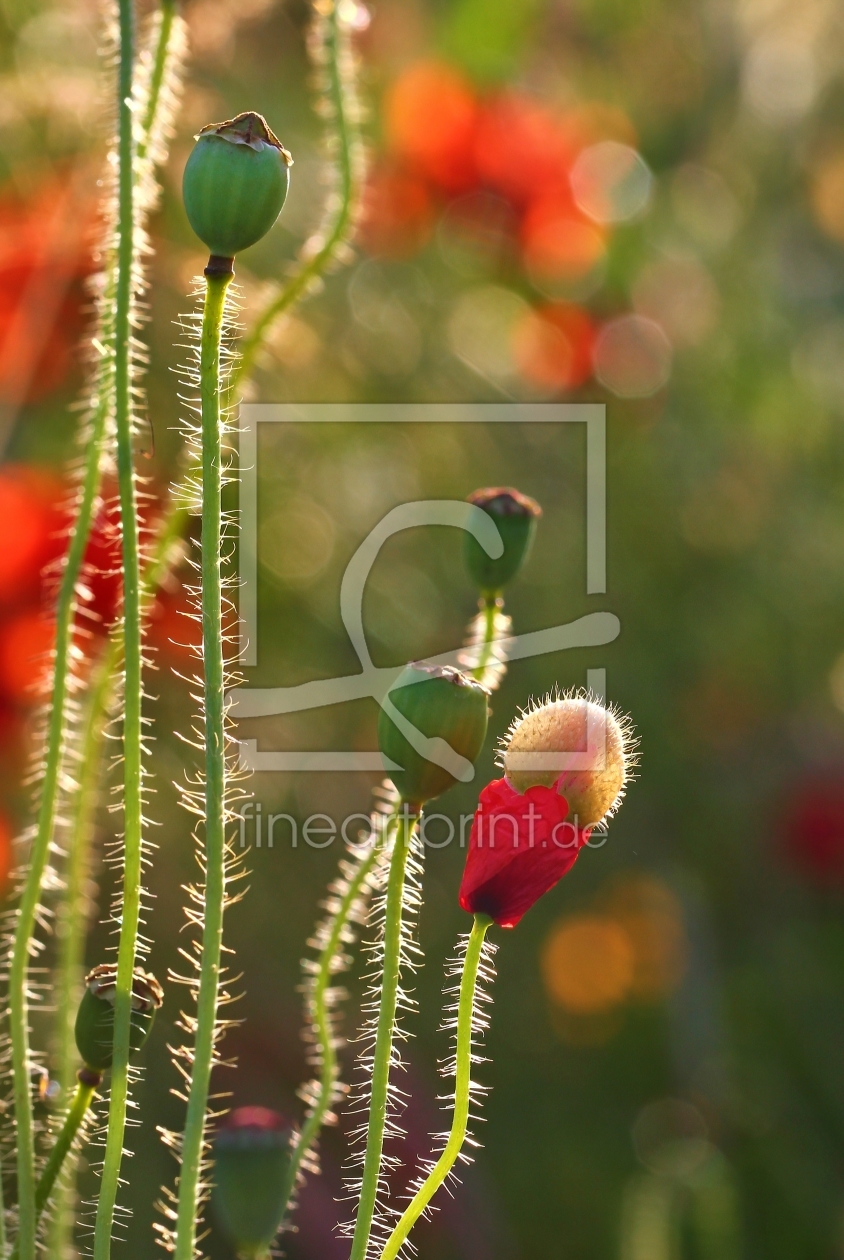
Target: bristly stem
(87, 1083)
(50, 789)
(466, 1013)
(335, 53)
(320, 1004)
(157, 78)
(382, 1058)
(133, 663)
(193, 1141)
(74, 917)
(490, 608)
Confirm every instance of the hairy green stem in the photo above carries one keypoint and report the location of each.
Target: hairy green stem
(159, 66)
(462, 1092)
(339, 95)
(321, 1015)
(82, 1099)
(73, 922)
(133, 663)
(485, 653)
(382, 1059)
(51, 784)
(193, 1142)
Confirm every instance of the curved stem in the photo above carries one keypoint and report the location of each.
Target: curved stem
(382, 1058)
(54, 760)
(132, 730)
(86, 1085)
(342, 105)
(321, 1014)
(193, 1142)
(73, 923)
(156, 82)
(462, 1093)
(54, 755)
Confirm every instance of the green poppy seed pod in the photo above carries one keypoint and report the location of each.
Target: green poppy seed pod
(448, 710)
(95, 1018)
(235, 183)
(251, 1165)
(515, 516)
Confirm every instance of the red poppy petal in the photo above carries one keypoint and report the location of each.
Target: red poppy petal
(520, 846)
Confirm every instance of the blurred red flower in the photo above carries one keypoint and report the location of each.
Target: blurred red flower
(520, 148)
(519, 848)
(44, 256)
(553, 346)
(813, 829)
(397, 215)
(26, 641)
(31, 501)
(430, 115)
(559, 245)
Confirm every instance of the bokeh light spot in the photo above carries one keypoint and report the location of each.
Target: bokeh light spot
(611, 182)
(297, 541)
(633, 356)
(553, 346)
(651, 915)
(779, 79)
(588, 964)
(680, 295)
(481, 329)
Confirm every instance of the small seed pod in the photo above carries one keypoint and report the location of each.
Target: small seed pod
(95, 1018)
(574, 732)
(235, 183)
(444, 705)
(251, 1163)
(515, 516)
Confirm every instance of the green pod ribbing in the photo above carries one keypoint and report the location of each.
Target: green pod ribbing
(515, 516)
(95, 1018)
(441, 703)
(235, 183)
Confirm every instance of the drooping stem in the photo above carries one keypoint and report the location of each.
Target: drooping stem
(382, 1058)
(193, 1142)
(87, 1083)
(132, 718)
(466, 1011)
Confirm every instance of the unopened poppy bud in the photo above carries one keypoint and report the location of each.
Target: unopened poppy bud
(515, 516)
(432, 724)
(251, 1165)
(576, 746)
(95, 1018)
(235, 183)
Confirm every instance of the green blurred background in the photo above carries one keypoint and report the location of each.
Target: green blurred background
(638, 204)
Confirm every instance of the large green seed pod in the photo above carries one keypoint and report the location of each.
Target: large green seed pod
(95, 1017)
(251, 1163)
(515, 516)
(446, 707)
(235, 183)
